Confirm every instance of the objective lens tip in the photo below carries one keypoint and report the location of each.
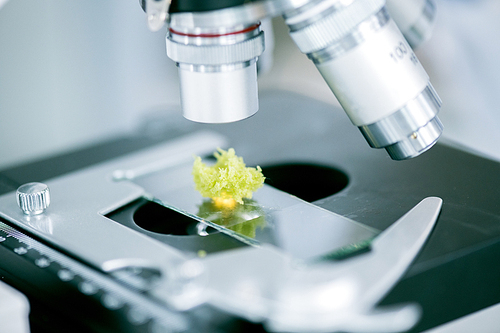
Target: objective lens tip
(417, 142)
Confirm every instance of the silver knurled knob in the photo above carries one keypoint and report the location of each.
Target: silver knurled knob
(33, 198)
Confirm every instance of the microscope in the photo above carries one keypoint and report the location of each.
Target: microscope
(114, 237)
(357, 47)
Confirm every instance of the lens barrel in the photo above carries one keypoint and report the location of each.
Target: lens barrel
(217, 71)
(373, 72)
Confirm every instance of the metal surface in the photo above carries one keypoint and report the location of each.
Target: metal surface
(351, 289)
(292, 233)
(139, 309)
(379, 191)
(356, 36)
(326, 23)
(215, 54)
(409, 131)
(80, 201)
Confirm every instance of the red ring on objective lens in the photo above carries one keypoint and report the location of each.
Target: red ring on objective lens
(250, 28)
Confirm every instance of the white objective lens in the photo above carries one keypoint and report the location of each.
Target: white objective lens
(376, 78)
(374, 74)
(220, 96)
(217, 71)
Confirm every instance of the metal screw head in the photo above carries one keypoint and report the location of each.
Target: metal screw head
(33, 198)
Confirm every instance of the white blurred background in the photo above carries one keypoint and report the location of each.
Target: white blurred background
(74, 72)
(77, 72)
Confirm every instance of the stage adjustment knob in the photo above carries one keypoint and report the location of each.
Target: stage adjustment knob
(33, 198)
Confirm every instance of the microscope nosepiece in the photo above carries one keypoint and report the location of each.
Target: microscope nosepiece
(355, 44)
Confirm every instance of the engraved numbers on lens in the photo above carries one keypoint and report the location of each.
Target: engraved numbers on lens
(413, 58)
(400, 51)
